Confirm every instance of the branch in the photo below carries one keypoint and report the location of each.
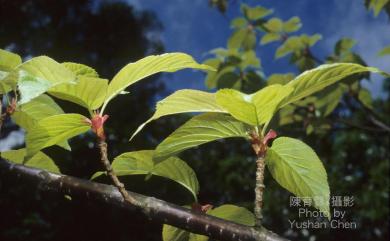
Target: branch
(153, 208)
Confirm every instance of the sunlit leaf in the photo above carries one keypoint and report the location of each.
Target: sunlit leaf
(141, 163)
(317, 79)
(81, 69)
(292, 25)
(9, 60)
(254, 109)
(39, 160)
(89, 92)
(184, 101)
(270, 37)
(199, 130)
(365, 97)
(280, 78)
(147, 66)
(39, 74)
(255, 13)
(53, 130)
(297, 168)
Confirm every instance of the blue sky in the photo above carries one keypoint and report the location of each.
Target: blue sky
(191, 26)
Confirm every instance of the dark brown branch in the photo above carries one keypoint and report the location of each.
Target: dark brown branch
(154, 208)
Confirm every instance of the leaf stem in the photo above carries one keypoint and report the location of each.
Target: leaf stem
(110, 172)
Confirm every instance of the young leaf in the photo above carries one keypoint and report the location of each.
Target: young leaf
(9, 60)
(254, 109)
(229, 212)
(141, 163)
(297, 168)
(53, 130)
(385, 51)
(184, 101)
(89, 92)
(28, 114)
(199, 130)
(39, 160)
(317, 79)
(81, 69)
(38, 75)
(150, 65)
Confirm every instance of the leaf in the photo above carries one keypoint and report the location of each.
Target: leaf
(9, 60)
(53, 130)
(39, 160)
(28, 114)
(377, 6)
(280, 78)
(344, 45)
(81, 69)
(270, 37)
(254, 109)
(385, 51)
(184, 101)
(237, 38)
(255, 13)
(314, 80)
(274, 25)
(365, 97)
(297, 168)
(38, 75)
(234, 213)
(89, 92)
(228, 212)
(150, 65)
(200, 129)
(329, 99)
(141, 163)
(239, 22)
(292, 25)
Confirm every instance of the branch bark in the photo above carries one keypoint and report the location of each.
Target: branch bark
(153, 208)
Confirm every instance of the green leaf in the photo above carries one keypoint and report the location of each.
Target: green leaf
(274, 25)
(150, 65)
(9, 60)
(141, 163)
(297, 43)
(344, 45)
(39, 74)
(228, 212)
(270, 37)
(385, 51)
(365, 97)
(377, 5)
(280, 78)
(171, 233)
(27, 115)
(297, 168)
(81, 69)
(53, 130)
(237, 38)
(184, 101)
(89, 92)
(199, 130)
(255, 13)
(39, 160)
(234, 213)
(317, 79)
(239, 22)
(254, 109)
(329, 99)
(292, 25)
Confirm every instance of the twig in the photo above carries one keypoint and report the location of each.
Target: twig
(155, 209)
(110, 172)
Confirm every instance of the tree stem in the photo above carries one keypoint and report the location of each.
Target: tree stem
(259, 189)
(111, 173)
